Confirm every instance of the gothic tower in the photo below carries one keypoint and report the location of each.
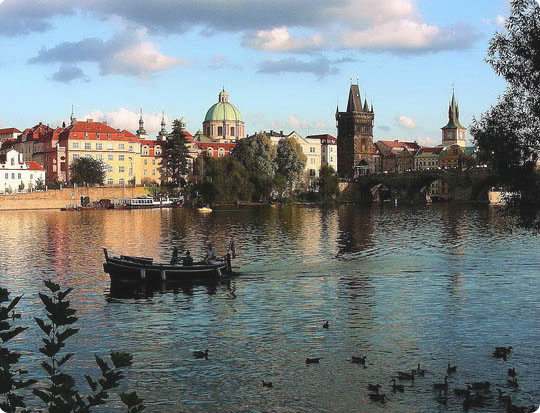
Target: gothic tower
(355, 137)
(453, 133)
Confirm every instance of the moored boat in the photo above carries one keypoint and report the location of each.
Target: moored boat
(204, 209)
(126, 268)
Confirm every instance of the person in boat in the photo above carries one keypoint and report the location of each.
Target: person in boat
(174, 258)
(187, 261)
(210, 253)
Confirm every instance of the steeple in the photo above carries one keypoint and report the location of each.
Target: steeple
(371, 110)
(141, 130)
(72, 117)
(162, 134)
(453, 114)
(355, 102)
(366, 107)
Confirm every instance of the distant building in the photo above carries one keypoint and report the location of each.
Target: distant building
(396, 156)
(328, 149)
(223, 121)
(405, 161)
(17, 175)
(355, 137)
(453, 133)
(9, 134)
(456, 156)
(427, 158)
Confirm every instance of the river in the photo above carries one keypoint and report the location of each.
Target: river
(402, 285)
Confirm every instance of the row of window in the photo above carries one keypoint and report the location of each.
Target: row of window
(220, 131)
(19, 176)
(99, 146)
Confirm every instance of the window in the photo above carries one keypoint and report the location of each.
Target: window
(220, 130)
(109, 168)
(311, 149)
(87, 145)
(121, 181)
(145, 172)
(110, 146)
(99, 146)
(153, 161)
(232, 130)
(12, 176)
(99, 157)
(120, 157)
(120, 146)
(110, 157)
(145, 150)
(153, 171)
(146, 161)
(31, 176)
(88, 156)
(210, 152)
(75, 156)
(110, 181)
(221, 152)
(86, 134)
(12, 161)
(75, 145)
(121, 168)
(7, 176)
(208, 131)
(312, 160)
(131, 148)
(18, 176)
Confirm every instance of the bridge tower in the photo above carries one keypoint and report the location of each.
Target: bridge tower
(453, 133)
(355, 137)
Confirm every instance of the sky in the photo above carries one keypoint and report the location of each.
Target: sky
(285, 64)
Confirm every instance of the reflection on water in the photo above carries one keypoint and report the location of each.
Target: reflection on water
(429, 285)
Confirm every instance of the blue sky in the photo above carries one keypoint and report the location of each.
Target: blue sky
(285, 64)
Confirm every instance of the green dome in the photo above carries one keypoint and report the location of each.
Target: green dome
(223, 110)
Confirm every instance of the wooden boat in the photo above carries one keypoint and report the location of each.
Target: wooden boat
(126, 268)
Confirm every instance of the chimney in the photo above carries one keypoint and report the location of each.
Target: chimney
(89, 120)
(271, 132)
(281, 133)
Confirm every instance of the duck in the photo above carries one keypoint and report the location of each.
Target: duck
(502, 352)
(480, 385)
(513, 383)
(374, 387)
(406, 376)
(267, 383)
(397, 387)
(326, 324)
(463, 392)
(451, 369)
(419, 371)
(359, 360)
(512, 372)
(201, 354)
(376, 397)
(441, 386)
(442, 399)
(313, 360)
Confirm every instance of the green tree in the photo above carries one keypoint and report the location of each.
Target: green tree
(87, 170)
(290, 160)
(226, 180)
(174, 157)
(328, 184)
(508, 135)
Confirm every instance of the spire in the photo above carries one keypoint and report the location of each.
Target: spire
(355, 101)
(162, 134)
(141, 130)
(72, 117)
(162, 119)
(371, 110)
(366, 107)
(453, 114)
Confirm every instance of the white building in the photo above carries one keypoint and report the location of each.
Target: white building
(328, 149)
(16, 175)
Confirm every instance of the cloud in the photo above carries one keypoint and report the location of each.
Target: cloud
(221, 62)
(68, 73)
(497, 21)
(127, 53)
(280, 40)
(394, 26)
(405, 122)
(320, 125)
(428, 141)
(320, 67)
(126, 119)
(385, 128)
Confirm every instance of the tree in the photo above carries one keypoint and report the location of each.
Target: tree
(328, 184)
(174, 158)
(290, 160)
(87, 170)
(508, 135)
(226, 180)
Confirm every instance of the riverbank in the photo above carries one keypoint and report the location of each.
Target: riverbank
(59, 198)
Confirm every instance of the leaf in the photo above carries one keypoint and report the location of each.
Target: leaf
(45, 327)
(91, 382)
(13, 303)
(47, 301)
(12, 333)
(131, 399)
(4, 325)
(68, 332)
(62, 295)
(65, 359)
(45, 397)
(121, 359)
(47, 367)
(52, 286)
(24, 383)
(4, 295)
(64, 380)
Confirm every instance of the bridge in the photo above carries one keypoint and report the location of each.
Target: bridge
(472, 184)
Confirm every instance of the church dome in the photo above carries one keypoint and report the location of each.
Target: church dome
(223, 110)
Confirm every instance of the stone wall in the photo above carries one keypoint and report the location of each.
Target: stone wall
(56, 199)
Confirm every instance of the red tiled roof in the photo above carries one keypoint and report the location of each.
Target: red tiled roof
(34, 166)
(128, 134)
(436, 151)
(89, 130)
(324, 138)
(398, 144)
(10, 130)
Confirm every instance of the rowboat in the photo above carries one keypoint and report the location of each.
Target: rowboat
(127, 268)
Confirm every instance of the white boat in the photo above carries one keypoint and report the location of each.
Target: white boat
(204, 209)
(146, 201)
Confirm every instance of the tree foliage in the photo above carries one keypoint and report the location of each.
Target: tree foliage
(174, 157)
(290, 160)
(87, 170)
(226, 180)
(328, 184)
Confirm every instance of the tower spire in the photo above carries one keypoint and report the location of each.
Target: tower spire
(72, 117)
(141, 130)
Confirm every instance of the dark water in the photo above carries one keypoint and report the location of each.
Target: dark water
(429, 285)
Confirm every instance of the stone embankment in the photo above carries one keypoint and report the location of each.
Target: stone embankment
(56, 199)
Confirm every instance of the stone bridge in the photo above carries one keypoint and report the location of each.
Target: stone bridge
(468, 185)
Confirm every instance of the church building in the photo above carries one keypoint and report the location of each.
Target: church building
(223, 122)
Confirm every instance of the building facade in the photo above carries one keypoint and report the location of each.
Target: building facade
(328, 149)
(18, 175)
(427, 158)
(9, 134)
(355, 137)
